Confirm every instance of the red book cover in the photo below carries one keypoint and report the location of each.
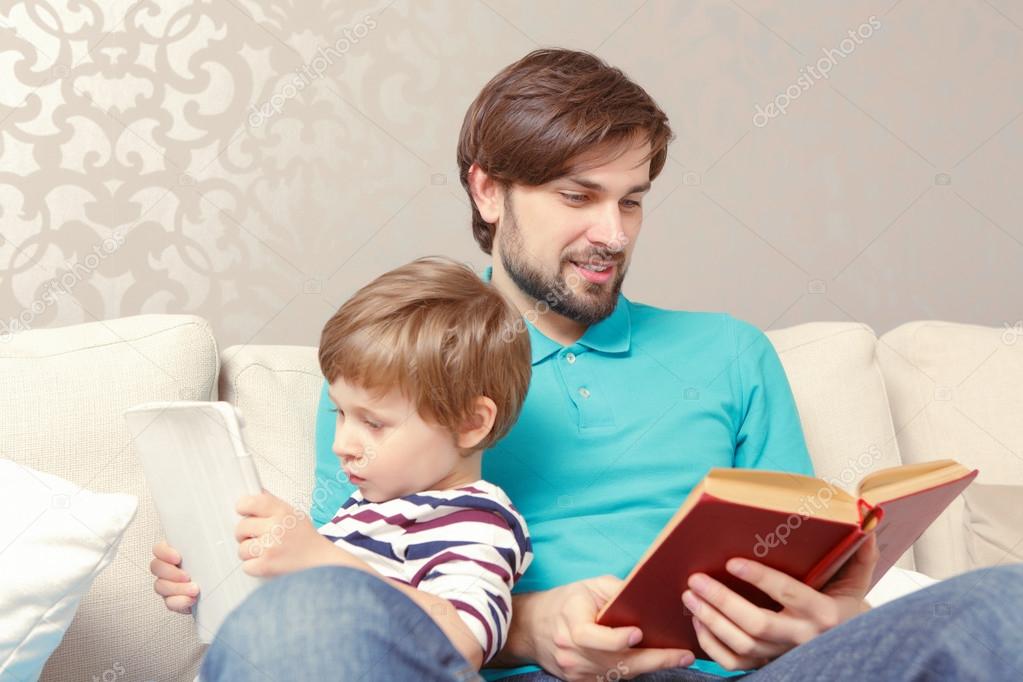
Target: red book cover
(809, 548)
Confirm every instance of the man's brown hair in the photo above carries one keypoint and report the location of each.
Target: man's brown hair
(538, 115)
(441, 335)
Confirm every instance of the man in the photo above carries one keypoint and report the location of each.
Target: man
(628, 408)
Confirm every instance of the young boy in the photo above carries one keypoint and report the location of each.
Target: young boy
(428, 366)
(424, 378)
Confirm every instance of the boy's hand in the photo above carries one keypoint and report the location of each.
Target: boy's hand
(274, 538)
(172, 583)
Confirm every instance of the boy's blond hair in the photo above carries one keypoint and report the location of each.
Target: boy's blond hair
(441, 335)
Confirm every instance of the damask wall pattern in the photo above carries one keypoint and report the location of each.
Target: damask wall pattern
(256, 162)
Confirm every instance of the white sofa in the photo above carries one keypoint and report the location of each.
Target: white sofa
(926, 390)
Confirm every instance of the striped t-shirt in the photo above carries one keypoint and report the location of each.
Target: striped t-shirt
(468, 545)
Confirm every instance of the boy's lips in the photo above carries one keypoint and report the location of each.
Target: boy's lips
(353, 478)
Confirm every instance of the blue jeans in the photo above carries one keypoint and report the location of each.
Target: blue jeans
(344, 624)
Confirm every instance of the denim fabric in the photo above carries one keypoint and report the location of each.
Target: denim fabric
(332, 623)
(343, 624)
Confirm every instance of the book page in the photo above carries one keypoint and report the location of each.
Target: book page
(783, 491)
(894, 482)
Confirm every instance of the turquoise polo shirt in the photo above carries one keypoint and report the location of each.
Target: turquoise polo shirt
(616, 430)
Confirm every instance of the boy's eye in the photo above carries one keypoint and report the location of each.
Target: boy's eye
(369, 422)
(632, 203)
(574, 198)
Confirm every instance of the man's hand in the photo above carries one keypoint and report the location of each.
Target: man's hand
(739, 635)
(557, 630)
(274, 538)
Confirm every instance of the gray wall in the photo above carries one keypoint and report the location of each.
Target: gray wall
(255, 163)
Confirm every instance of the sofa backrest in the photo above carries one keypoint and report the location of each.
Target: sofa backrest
(956, 393)
(277, 390)
(842, 403)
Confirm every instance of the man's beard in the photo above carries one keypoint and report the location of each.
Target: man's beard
(598, 301)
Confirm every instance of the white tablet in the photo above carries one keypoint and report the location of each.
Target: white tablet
(197, 468)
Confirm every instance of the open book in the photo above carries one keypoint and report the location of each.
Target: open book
(797, 524)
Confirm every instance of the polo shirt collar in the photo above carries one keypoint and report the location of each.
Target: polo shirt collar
(613, 334)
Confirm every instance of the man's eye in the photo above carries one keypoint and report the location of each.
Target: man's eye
(574, 198)
(631, 203)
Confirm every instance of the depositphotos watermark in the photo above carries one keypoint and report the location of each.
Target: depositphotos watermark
(853, 471)
(313, 71)
(72, 274)
(810, 74)
(1012, 332)
(615, 674)
(111, 674)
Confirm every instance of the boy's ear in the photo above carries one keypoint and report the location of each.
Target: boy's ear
(479, 424)
(487, 194)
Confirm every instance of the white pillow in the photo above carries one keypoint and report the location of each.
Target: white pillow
(55, 538)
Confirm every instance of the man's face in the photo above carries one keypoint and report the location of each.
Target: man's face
(569, 242)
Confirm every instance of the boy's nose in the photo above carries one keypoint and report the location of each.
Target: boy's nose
(344, 444)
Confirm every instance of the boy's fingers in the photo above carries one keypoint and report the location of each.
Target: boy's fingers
(179, 604)
(165, 552)
(249, 527)
(169, 588)
(161, 569)
(256, 505)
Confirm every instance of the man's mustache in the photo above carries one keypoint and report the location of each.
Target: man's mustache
(599, 257)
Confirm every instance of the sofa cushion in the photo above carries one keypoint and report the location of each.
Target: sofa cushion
(61, 412)
(276, 389)
(840, 395)
(955, 394)
(994, 524)
(56, 537)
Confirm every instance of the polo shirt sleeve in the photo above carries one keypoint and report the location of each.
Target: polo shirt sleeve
(769, 435)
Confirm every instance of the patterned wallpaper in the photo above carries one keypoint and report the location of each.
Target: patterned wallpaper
(256, 162)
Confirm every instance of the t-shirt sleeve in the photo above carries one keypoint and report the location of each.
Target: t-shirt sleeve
(477, 577)
(770, 435)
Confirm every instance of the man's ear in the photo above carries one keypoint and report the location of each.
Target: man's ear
(487, 194)
(479, 424)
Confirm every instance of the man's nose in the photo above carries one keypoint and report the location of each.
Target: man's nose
(607, 229)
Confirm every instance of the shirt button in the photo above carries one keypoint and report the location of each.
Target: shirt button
(570, 357)
(584, 392)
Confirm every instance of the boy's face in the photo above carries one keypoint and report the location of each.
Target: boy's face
(548, 234)
(388, 450)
